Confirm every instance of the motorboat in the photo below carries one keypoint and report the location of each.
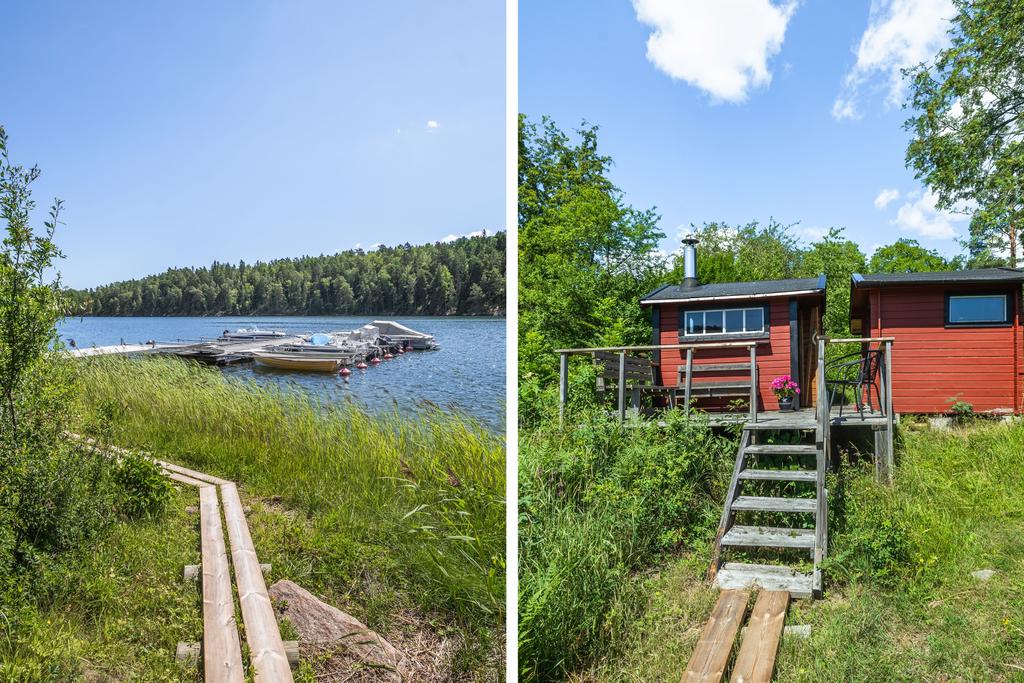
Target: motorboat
(251, 334)
(405, 337)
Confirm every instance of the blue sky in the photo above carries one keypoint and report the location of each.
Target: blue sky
(179, 133)
(745, 109)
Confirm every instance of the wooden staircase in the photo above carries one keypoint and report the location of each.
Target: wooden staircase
(776, 500)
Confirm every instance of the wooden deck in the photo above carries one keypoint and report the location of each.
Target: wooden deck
(797, 419)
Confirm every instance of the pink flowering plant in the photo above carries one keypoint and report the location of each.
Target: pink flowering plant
(785, 387)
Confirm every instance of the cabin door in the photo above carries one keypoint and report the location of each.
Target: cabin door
(808, 326)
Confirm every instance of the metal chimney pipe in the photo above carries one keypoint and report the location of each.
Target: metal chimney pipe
(690, 262)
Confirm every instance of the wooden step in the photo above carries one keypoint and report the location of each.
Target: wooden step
(775, 424)
(769, 577)
(779, 475)
(781, 449)
(755, 662)
(769, 504)
(721, 367)
(768, 537)
(707, 665)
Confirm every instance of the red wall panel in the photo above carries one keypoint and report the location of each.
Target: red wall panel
(933, 365)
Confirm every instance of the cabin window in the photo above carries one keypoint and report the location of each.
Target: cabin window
(724, 321)
(977, 309)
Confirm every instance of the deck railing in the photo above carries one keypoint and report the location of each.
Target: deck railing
(563, 370)
(884, 438)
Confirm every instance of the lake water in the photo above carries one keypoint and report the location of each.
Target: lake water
(467, 373)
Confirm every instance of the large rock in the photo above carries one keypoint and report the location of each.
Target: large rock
(327, 627)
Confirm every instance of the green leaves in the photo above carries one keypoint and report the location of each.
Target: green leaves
(968, 124)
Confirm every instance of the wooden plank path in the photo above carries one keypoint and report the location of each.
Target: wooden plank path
(120, 349)
(222, 661)
(707, 665)
(755, 662)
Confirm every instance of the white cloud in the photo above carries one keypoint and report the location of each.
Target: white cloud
(918, 215)
(451, 237)
(900, 33)
(886, 197)
(811, 233)
(719, 46)
(433, 124)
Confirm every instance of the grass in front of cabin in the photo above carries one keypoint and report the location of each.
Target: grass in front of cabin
(901, 604)
(384, 514)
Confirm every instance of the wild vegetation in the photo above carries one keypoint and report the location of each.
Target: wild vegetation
(462, 277)
(403, 509)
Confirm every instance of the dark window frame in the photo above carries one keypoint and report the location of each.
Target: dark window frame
(1007, 322)
(724, 336)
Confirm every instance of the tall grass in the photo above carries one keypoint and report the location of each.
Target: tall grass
(428, 489)
(598, 502)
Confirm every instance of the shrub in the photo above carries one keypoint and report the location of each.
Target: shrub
(143, 489)
(598, 501)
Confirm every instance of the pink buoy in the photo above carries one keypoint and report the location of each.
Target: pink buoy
(361, 365)
(375, 360)
(388, 356)
(345, 372)
(401, 349)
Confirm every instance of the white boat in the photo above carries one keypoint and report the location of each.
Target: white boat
(405, 336)
(252, 333)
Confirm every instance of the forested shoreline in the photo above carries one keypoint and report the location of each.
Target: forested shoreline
(462, 277)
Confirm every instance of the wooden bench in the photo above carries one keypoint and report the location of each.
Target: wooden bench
(717, 388)
(634, 374)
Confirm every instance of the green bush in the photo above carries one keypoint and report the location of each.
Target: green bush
(143, 488)
(597, 502)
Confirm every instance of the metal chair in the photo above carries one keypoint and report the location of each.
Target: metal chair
(860, 372)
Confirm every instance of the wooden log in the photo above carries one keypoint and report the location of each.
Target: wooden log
(266, 649)
(755, 662)
(707, 665)
(222, 653)
(291, 649)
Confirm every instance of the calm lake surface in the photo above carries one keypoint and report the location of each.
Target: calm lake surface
(468, 373)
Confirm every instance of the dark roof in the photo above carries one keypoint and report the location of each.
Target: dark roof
(981, 275)
(760, 288)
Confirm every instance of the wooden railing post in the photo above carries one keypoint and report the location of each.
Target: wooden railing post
(887, 398)
(753, 383)
(563, 386)
(689, 375)
(824, 409)
(622, 386)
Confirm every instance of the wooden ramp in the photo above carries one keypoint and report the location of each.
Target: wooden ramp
(755, 662)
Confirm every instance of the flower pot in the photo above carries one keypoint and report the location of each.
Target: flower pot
(786, 403)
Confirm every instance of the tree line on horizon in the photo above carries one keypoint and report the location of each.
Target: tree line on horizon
(462, 277)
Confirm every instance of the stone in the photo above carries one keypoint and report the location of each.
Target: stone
(326, 626)
(983, 575)
(940, 422)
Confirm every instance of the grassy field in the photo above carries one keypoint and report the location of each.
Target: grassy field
(398, 521)
(901, 604)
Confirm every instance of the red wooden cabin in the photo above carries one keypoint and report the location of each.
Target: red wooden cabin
(781, 316)
(958, 336)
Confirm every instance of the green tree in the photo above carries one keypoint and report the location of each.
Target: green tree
(30, 306)
(908, 256)
(585, 257)
(968, 129)
(838, 258)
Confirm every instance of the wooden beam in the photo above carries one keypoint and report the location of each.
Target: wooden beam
(707, 665)
(222, 653)
(661, 347)
(266, 649)
(688, 391)
(563, 385)
(755, 662)
(622, 386)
